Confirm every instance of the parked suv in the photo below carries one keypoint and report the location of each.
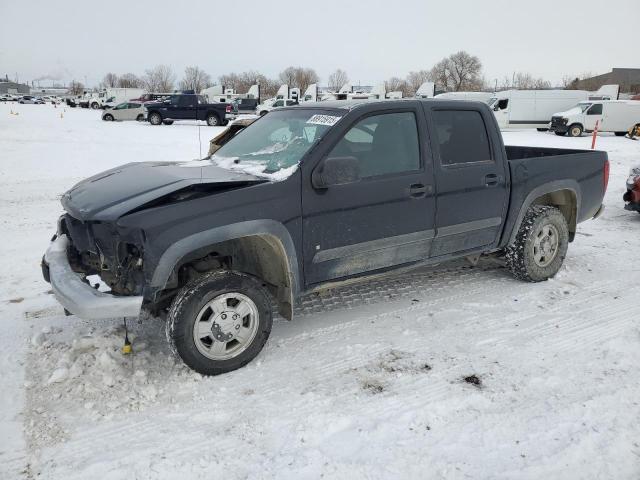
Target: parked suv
(188, 107)
(306, 198)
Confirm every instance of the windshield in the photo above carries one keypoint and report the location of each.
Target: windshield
(275, 144)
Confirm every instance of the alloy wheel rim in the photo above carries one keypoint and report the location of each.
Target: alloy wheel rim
(545, 245)
(226, 326)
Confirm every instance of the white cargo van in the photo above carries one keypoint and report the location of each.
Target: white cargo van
(534, 108)
(617, 116)
(472, 96)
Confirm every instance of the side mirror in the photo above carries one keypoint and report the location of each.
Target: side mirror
(336, 171)
(496, 108)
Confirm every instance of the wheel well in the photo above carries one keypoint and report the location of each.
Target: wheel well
(262, 256)
(566, 202)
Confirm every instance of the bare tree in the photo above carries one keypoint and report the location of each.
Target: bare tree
(439, 74)
(526, 81)
(76, 88)
(416, 79)
(305, 77)
(110, 80)
(288, 76)
(195, 79)
(337, 79)
(129, 80)
(395, 84)
(465, 71)
(241, 82)
(159, 79)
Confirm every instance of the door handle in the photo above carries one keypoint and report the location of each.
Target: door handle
(491, 180)
(418, 190)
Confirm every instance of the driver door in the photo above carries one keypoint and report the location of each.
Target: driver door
(387, 217)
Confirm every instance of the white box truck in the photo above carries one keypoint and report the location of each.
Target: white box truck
(113, 96)
(617, 116)
(534, 108)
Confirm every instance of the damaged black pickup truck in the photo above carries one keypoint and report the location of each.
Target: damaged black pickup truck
(305, 198)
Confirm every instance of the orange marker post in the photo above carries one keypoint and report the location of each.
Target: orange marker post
(595, 133)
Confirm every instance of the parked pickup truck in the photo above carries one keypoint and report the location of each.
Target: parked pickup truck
(305, 198)
(189, 107)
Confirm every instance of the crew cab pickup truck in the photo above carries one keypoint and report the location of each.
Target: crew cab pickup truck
(307, 197)
(189, 107)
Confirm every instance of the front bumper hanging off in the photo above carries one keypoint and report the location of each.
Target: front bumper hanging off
(77, 296)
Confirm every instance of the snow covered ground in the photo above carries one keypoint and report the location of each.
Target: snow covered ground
(366, 382)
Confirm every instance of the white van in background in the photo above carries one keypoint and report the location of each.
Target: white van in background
(113, 96)
(534, 108)
(617, 116)
(472, 96)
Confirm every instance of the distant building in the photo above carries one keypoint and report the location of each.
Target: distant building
(13, 87)
(627, 78)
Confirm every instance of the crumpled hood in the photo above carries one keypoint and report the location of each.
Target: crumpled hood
(111, 194)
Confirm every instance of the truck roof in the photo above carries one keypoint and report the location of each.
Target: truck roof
(354, 103)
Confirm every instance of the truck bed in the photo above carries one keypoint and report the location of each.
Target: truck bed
(579, 171)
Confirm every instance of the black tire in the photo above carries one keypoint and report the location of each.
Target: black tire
(560, 134)
(575, 130)
(108, 118)
(542, 129)
(620, 134)
(520, 255)
(95, 105)
(140, 118)
(167, 122)
(155, 118)
(213, 120)
(194, 297)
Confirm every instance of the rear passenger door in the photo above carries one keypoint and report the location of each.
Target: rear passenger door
(470, 180)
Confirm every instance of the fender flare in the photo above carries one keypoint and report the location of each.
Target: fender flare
(550, 187)
(185, 246)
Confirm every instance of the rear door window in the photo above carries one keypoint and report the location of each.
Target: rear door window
(462, 137)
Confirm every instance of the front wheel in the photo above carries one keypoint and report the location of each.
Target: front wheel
(575, 130)
(219, 322)
(95, 105)
(108, 118)
(213, 120)
(155, 119)
(540, 245)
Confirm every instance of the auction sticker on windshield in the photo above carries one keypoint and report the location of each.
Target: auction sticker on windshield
(329, 120)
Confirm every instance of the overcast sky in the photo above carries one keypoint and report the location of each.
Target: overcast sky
(372, 40)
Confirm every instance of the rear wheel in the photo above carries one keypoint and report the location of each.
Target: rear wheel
(155, 119)
(95, 105)
(540, 245)
(108, 117)
(575, 130)
(219, 322)
(213, 120)
(140, 118)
